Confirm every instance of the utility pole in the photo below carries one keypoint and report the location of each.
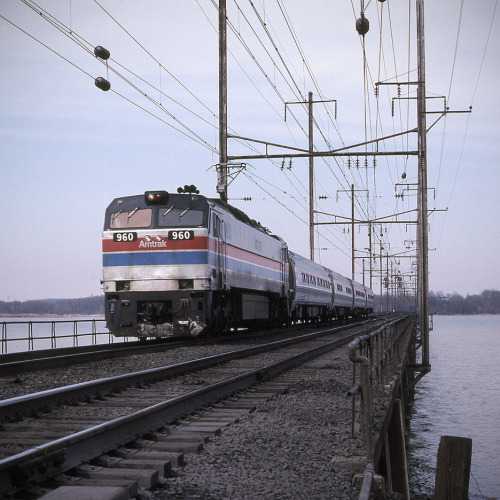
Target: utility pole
(311, 179)
(222, 167)
(370, 251)
(422, 228)
(352, 230)
(381, 275)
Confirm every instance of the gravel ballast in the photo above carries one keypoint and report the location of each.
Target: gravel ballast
(296, 445)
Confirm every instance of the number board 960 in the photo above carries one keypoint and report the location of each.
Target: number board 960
(127, 236)
(181, 235)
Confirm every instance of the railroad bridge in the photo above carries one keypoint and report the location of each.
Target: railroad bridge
(376, 360)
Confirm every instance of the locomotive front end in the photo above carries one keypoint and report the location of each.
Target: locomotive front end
(156, 273)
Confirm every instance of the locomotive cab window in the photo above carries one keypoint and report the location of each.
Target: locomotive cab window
(176, 217)
(125, 219)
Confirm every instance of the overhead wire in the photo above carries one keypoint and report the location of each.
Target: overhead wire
(469, 116)
(154, 58)
(365, 86)
(246, 46)
(88, 47)
(449, 92)
(358, 181)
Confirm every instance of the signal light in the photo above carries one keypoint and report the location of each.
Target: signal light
(155, 197)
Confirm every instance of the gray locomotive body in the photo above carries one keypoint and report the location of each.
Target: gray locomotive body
(179, 264)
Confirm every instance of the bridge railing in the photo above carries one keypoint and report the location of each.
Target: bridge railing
(376, 353)
(18, 336)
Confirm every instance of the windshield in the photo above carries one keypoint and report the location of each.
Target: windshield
(175, 217)
(131, 218)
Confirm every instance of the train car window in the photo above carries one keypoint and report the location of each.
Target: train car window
(180, 217)
(131, 218)
(215, 225)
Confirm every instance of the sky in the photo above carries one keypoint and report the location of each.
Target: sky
(67, 148)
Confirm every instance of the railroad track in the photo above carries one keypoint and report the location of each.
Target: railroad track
(127, 426)
(23, 362)
(14, 363)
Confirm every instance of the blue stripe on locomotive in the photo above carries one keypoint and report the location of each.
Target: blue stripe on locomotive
(187, 258)
(155, 258)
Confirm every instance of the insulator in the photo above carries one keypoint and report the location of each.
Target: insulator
(399, 90)
(357, 161)
(348, 162)
(362, 25)
(374, 161)
(366, 161)
(376, 90)
(392, 107)
(102, 83)
(102, 53)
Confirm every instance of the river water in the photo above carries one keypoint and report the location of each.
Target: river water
(21, 334)
(460, 397)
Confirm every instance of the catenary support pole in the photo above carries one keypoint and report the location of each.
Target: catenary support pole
(311, 179)
(422, 231)
(352, 231)
(222, 167)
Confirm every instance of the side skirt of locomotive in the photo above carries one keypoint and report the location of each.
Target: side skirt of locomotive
(190, 313)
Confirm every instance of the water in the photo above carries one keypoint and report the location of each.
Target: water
(460, 397)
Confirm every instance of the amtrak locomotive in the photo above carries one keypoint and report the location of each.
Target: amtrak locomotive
(181, 264)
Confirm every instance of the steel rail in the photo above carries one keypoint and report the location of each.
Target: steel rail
(55, 457)
(52, 397)
(17, 362)
(9, 365)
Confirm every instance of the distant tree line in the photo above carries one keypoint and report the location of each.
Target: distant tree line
(87, 306)
(488, 302)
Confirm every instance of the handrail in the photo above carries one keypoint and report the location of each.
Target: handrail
(374, 352)
(32, 335)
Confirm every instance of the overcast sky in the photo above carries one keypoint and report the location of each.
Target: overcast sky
(67, 148)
